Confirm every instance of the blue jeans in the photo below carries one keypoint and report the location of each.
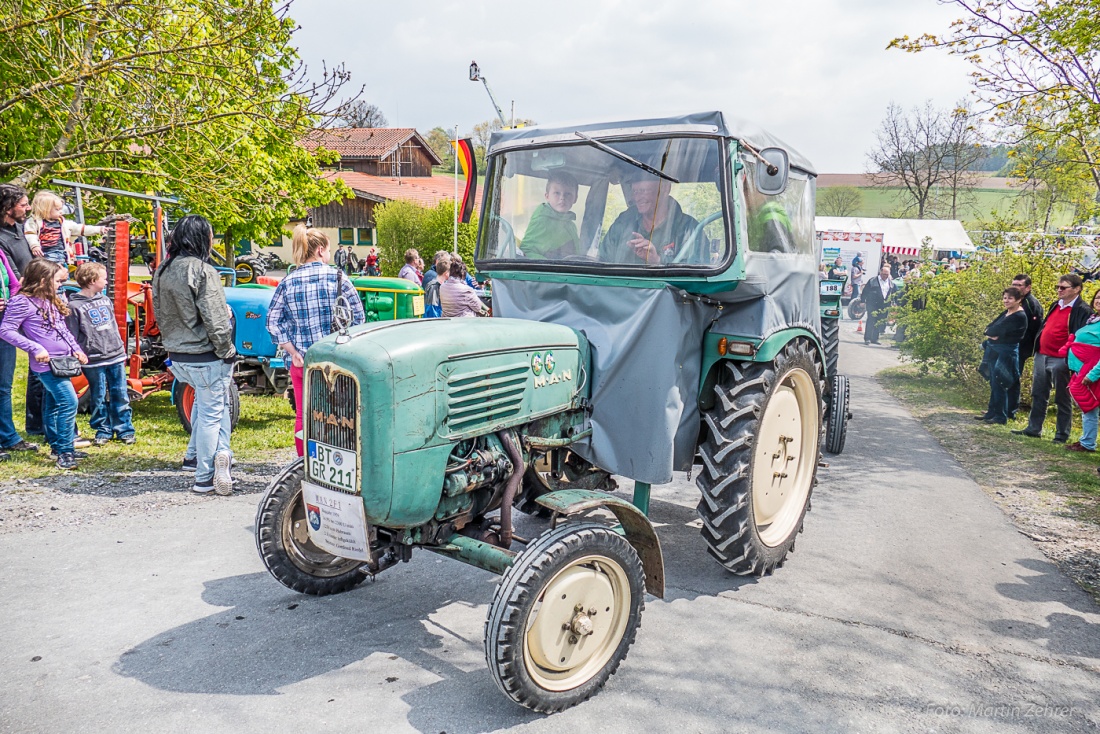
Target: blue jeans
(56, 255)
(8, 435)
(210, 419)
(59, 411)
(1089, 421)
(1004, 380)
(110, 401)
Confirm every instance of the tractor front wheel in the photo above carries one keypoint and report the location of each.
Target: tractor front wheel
(564, 616)
(282, 538)
(760, 456)
(183, 395)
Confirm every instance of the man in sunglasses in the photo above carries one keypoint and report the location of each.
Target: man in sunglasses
(1064, 317)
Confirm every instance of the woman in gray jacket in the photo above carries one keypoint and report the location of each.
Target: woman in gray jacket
(195, 327)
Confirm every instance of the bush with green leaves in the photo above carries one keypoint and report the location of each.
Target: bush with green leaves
(402, 224)
(945, 313)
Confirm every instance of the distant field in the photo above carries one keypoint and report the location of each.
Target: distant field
(889, 202)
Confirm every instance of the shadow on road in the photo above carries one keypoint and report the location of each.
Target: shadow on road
(1064, 634)
(269, 639)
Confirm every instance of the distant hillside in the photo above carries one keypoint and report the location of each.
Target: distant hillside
(863, 180)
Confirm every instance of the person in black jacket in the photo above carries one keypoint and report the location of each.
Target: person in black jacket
(1002, 346)
(1034, 312)
(877, 296)
(1064, 317)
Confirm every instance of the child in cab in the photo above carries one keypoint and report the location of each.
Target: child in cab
(552, 232)
(92, 322)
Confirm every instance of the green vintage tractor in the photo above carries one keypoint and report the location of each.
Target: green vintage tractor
(655, 310)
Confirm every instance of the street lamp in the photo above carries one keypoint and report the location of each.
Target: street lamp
(475, 76)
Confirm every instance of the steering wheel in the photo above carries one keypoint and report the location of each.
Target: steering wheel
(506, 249)
(695, 237)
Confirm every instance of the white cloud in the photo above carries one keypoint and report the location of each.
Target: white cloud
(816, 73)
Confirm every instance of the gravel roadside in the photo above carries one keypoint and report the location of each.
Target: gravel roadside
(77, 499)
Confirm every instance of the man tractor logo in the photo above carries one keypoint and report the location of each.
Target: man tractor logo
(549, 362)
(536, 364)
(314, 514)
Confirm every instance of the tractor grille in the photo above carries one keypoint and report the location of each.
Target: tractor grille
(476, 399)
(332, 414)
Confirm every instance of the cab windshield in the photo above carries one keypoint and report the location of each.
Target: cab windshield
(648, 205)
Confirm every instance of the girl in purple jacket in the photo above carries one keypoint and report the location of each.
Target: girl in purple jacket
(34, 321)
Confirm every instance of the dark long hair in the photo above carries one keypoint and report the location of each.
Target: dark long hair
(191, 237)
(10, 194)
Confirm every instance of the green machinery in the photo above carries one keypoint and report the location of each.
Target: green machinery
(389, 299)
(656, 309)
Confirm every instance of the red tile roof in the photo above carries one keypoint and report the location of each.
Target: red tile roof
(423, 190)
(367, 142)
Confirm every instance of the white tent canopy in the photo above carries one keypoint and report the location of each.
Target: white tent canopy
(905, 236)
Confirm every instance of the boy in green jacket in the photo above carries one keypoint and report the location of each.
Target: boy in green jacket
(552, 232)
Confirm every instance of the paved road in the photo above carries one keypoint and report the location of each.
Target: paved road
(910, 605)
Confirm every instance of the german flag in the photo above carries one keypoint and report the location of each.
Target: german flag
(464, 149)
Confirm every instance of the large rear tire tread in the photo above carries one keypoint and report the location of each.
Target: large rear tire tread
(830, 339)
(726, 482)
(836, 420)
(521, 588)
(282, 496)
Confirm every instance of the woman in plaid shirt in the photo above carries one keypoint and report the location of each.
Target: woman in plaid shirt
(302, 307)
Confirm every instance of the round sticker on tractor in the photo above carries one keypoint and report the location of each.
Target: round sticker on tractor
(536, 364)
(549, 362)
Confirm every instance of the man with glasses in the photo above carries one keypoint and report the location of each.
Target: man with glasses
(1065, 317)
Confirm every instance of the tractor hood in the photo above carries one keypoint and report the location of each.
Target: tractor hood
(425, 385)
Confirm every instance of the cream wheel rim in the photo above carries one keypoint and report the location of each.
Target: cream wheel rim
(577, 623)
(785, 456)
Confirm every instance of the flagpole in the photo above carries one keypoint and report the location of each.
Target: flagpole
(456, 190)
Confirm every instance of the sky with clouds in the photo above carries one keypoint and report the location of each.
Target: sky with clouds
(814, 72)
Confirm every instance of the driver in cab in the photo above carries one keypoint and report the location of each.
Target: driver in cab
(653, 227)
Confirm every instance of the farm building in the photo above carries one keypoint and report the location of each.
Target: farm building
(378, 164)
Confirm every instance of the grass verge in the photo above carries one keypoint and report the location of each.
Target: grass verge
(266, 424)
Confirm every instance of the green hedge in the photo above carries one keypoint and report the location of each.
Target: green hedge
(945, 313)
(402, 225)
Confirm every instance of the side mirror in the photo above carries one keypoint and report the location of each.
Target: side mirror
(771, 177)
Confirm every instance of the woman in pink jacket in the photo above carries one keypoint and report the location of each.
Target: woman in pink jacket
(10, 440)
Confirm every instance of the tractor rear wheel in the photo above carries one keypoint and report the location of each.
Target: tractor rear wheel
(836, 418)
(285, 547)
(760, 458)
(246, 272)
(830, 340)
(183, 395)
(564, 616)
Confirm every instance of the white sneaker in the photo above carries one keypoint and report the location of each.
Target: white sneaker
(223, 482)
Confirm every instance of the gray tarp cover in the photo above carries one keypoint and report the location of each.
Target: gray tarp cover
(646, 356)
(710, 123)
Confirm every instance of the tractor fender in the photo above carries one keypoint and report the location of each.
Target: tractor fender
(633, 524)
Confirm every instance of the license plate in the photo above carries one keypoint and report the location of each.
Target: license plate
(337, 522)
(831, 288)
(332, 466)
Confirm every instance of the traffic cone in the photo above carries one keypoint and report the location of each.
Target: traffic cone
(859, 327)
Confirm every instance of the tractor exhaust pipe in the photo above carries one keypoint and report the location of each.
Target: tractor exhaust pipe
(508, 441)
